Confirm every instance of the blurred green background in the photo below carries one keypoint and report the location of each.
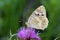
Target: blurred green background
(14, 13)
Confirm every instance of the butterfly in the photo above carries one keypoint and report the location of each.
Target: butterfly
(38, 19)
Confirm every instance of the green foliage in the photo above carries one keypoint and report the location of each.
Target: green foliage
(13, 11)
(10, 14)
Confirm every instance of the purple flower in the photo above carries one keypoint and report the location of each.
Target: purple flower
(28, 34)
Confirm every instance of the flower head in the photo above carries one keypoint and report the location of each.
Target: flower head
(28, 34)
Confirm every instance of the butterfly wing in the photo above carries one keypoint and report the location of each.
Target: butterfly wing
(38, 19)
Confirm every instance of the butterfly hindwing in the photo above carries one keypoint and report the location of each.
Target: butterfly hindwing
(38, 19)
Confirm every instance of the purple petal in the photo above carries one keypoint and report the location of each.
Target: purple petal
(37, 38)
(26, 33)
(33, 34)
(22, 34)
